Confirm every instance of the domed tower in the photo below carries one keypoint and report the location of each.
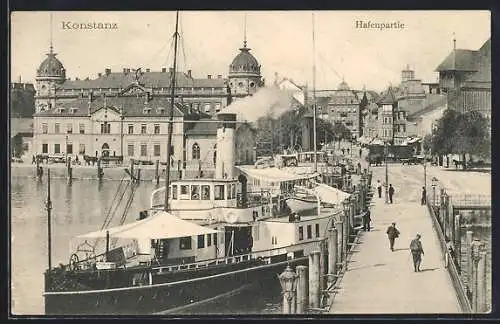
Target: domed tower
(244, 73)
(50, 73)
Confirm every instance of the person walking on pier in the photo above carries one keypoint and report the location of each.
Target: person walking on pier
(392, 234)
(366, 220)
(360, 152)
(417, 251)
(379, 189)
(423, 201)
(391, 192)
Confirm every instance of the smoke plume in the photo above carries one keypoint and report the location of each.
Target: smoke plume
(266, 101)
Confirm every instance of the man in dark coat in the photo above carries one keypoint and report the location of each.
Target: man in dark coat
(360, 152)
(379, 189)
(392, 234)
(366, 220)
(391, 192)
(423, 201)
(417, 251)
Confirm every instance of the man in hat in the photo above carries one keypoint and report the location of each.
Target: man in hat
(423, 201)
(392, 234)
(366, 220)
(379, 189)
(417, 251)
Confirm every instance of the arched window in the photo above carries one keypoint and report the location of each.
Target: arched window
(196, 151)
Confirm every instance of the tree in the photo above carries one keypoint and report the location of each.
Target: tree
(461, 133)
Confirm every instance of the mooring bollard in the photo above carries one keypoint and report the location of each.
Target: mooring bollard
(314, 279)
(302, 292)
(157, 172)
(482, 301)
(332, 254)
(288, 281)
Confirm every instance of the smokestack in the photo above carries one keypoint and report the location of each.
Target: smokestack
(99, 74)
(189, 73)
(209, 76)
(163, 70)
(224, 163)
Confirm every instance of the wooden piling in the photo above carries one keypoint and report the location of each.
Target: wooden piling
(458, 240)
(469, 266)
(332, 254)
(482, 301)
(314, 279)
(340, 241)
(302, 291)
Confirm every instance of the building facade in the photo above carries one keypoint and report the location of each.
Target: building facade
(465, 76)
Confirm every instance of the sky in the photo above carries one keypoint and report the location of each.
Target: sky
(282, 42)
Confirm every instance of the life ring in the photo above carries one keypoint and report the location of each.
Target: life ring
(73, 262)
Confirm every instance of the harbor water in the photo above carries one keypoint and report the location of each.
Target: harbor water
(78, 208)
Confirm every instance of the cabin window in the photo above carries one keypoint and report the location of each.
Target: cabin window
(219, 192)
(209, 239)
(229, 192)
(174, 192)
(195, 192)
(185, 243)
(301, 233)
(201, 241)
(309, 231)
(317, 230)
(205, 192)
(184, 190)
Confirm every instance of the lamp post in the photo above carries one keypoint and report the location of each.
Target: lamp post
(386, 174)
(434, 184)
(288, 281)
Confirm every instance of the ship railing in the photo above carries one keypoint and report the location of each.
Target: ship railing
(253, 199)
(263, 255)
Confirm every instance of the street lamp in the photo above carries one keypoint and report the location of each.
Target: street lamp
(386, 173)
(288, 282)
(434, 181)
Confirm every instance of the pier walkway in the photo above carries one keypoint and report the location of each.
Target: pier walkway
(380, 281)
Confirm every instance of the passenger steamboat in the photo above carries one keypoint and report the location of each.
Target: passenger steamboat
(200, 239)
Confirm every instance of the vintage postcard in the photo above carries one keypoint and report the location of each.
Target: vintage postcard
(260, 162)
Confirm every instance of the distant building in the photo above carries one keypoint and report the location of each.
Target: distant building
(244, 74)
(22, 108)
(387, 113)
(465, 76)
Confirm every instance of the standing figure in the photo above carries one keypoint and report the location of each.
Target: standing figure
(423, 201)
(360, 152)
(391, 192)
(348, 151)
(366, 220)
(417, 251)
(343, 151)
(379, 189)
(392, 234)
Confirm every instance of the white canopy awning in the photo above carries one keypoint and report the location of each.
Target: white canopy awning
(273, 174)
(413, 140)
(330, 195)
(162, 225)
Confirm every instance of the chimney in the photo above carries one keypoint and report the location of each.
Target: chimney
(163, 70)
(99, 74)
(148, 70)
(219, 76)
(209, 76)
(170, 70)
(224, 163)
(189, 73)
(124, 70)
(107, 71)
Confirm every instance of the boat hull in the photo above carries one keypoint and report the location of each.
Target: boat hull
(297, 205)
(161, 298)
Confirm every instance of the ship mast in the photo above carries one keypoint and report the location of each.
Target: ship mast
(171, 116)
(314, 97)
(48, 206)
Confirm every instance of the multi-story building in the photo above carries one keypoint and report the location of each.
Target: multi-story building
(125, 114)
(465, 76)
(208, 95)
(387, 112)
(22, 108)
